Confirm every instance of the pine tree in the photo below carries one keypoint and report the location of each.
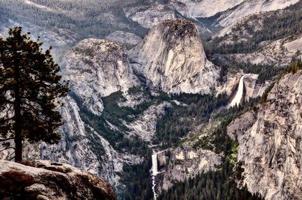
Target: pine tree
(30, 89)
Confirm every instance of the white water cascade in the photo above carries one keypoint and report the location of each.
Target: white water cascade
(239, 95)
(154, 170)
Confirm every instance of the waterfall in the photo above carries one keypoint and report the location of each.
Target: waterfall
(239, 95)
(154, 170)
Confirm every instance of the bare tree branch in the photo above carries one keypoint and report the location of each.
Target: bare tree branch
(7, 148)
(4, 140)
(12, 158)
(6, 119)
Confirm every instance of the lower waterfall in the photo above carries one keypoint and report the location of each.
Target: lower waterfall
(154, 170)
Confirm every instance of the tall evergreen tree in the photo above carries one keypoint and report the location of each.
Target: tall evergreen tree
(30, 89)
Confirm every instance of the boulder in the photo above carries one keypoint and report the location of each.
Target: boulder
(43, 180)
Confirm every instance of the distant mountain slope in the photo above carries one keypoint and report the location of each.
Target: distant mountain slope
(250, 7)
(271, 39)
(203, 8)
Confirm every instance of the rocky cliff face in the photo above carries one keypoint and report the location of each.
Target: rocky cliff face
(178, 62)
(83, 147)
(176, 165)
(149, 16)
(249, 7)
(97, 68)
(270, 142)
(50, 181)
(191, 8)
(248, 85)
(124, 38)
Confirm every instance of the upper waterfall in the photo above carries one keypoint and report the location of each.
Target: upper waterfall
(239, 95)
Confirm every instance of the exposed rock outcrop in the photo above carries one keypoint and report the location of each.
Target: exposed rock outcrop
(83, 147)
(178, 164)
(270, 142)
(149, 16)
(172, 58)
(43, 180)
(145, 126)
(247, 8)
(244, 84)
(125, 38)
(203, 8)
(278, 53)
(97, 68)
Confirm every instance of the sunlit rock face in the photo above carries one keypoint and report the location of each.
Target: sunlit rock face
(172, 59)
(97, 68)
(149, 16)
(242, 87)
(249, 7)
(203, 8)
(82, 147)
(270, 142)
(145, 126)
(45, 180)
(178, 164)
(124, 38)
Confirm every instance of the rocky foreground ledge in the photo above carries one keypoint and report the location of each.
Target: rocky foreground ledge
(43, 180)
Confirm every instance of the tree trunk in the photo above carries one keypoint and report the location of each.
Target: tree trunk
(18, 144)
(18, 121)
